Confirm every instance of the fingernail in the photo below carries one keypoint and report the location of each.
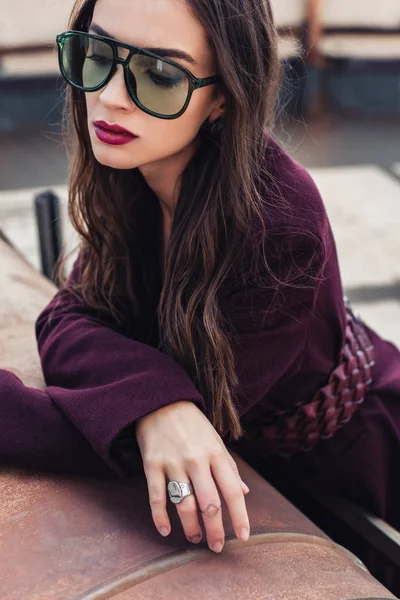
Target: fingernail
(218, 547)
(196, 539)
(164, 531)
(244, 534)
(245, 486)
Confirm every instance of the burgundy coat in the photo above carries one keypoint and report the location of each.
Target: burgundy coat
(100, 381)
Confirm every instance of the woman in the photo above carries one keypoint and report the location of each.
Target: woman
(206, 298)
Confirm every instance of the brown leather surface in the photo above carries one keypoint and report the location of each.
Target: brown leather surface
(64, 538)
(68, 538)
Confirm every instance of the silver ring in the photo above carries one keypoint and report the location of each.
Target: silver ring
(179, 490)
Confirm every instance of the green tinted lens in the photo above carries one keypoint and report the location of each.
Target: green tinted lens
(159, 86)
(87, 62)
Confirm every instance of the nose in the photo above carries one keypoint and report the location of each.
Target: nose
(115, 95)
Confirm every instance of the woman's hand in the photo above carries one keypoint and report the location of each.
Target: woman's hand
(179, 442)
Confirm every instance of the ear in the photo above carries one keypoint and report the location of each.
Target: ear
(219, 108)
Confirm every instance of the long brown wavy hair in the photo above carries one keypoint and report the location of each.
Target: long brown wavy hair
(118, 216)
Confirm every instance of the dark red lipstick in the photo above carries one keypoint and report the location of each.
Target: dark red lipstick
(113, 134)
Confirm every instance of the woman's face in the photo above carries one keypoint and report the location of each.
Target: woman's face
(151, 24)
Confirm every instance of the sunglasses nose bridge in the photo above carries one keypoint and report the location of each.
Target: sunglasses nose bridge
(122, 61)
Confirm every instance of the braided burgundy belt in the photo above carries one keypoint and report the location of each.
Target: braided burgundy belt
(300, 427)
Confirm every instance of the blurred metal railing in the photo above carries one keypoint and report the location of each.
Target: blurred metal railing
(49, 224)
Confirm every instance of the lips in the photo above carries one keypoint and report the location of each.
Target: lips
(114, 128)
(112, 136)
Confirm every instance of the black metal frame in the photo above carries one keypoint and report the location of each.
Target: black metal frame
(49, 226)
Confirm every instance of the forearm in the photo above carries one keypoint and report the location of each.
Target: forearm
(101, 380)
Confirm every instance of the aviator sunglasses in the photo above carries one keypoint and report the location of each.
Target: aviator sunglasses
(158, 86)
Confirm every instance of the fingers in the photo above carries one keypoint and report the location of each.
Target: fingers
(206, 498)
(157, 488)
(234, 466)
(209, 503)
(233, 495)
(187, 509)
(204, 475)
(157, 482)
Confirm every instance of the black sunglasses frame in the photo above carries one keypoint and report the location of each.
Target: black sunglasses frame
(194, 82)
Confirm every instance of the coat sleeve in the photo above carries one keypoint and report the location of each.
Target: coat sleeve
(103, 381)
(36, 435)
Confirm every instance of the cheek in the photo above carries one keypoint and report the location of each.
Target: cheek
(199, 108)
(178, 132)
(90, 101)
(163, 137)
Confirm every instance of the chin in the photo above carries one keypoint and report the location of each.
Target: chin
(105, 157)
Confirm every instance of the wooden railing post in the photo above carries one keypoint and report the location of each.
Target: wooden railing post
(314, 27)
